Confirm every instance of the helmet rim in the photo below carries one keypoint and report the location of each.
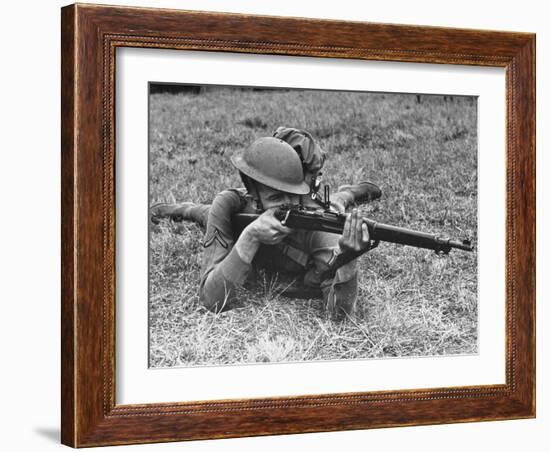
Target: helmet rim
(295, 189)
(271, 152)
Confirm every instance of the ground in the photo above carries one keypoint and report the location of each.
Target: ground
(421, 150)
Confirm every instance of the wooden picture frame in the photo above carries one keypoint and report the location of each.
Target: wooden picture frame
(90, 36)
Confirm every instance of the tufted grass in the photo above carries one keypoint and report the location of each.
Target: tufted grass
(411, 302)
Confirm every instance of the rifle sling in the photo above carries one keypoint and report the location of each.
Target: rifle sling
(297, 255)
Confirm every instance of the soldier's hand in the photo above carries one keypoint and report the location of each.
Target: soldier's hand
(355, 237)
(267, 229)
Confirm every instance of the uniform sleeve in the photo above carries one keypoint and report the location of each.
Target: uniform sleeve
(339, 292)
(222, 268)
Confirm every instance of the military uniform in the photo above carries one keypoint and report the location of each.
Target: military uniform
(303, 255)
(289, 162)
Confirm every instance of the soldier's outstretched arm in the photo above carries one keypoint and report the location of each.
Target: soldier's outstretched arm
(340, 290)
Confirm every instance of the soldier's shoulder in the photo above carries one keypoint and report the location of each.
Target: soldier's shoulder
(231, 194)
(233, 198)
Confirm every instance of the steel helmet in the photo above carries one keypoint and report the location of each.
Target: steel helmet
(274, 163)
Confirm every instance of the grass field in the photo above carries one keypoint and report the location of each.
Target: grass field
(411, 302)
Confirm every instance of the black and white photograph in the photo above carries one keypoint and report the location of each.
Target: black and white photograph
(295, 225)
(275, 226)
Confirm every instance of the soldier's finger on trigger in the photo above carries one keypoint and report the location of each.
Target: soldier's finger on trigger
(283, 229)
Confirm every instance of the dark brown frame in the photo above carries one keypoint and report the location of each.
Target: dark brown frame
(90, 34)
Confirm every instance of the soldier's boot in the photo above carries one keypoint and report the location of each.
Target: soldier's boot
(359, 193)
(178, 212)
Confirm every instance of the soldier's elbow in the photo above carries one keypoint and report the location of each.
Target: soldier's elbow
(209, 303)
(215, 303)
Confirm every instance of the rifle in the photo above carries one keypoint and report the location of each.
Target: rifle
(299, 217)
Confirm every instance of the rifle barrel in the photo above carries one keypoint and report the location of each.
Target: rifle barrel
(334, 222)
(403, 236)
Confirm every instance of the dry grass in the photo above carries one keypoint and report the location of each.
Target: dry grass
(412, 302)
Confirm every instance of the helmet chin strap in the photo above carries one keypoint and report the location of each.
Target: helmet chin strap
(252, 189)
(256, 195)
